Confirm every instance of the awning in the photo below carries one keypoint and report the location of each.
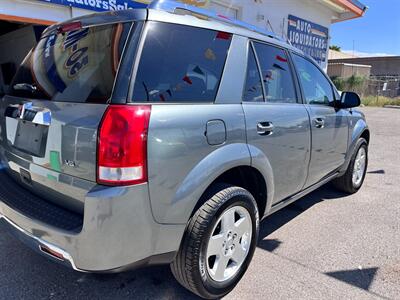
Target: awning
(353, 9)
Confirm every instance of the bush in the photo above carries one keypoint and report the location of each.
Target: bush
(353, 83)
(379, 101)
(339, 82)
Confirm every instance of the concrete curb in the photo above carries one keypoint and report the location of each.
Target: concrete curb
(392, 106)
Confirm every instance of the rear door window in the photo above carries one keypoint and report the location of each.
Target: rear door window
(180, 64)
(277, 76)
(75, 66)
(253, 91)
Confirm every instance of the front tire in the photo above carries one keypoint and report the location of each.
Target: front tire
(219, 242)
(351, 181)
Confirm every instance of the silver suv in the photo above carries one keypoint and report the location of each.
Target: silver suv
(163, 136)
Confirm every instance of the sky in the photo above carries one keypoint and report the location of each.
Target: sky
(376, 33)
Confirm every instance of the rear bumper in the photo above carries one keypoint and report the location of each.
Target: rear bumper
(118, 232)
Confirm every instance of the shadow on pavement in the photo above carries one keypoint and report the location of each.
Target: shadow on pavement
(376, 172)
(361, 278)
(285, 215)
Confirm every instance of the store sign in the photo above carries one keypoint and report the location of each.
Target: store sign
(309, 37)
(100, 5)
(105, 5)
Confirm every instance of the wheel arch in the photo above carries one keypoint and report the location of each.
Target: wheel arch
(244, 176)
(366, 135)
(360, 130)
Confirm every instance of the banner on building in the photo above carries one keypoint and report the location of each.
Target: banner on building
(100, 5)
(309, 37)
(105, 5)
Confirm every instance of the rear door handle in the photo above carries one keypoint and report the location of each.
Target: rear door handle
(265, 128)
(319, 122)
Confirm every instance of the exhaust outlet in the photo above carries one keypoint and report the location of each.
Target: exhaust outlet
(51, 253)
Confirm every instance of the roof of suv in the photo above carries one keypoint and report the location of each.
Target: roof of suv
(179, 13)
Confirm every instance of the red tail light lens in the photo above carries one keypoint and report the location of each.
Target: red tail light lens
(69, 27)
(122, 145)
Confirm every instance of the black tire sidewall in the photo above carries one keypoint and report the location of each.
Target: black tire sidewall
(222, 288)
(362, 143)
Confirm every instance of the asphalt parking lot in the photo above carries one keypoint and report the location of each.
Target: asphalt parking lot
(325, 246)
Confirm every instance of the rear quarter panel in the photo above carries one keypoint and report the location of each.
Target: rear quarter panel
(181, 163)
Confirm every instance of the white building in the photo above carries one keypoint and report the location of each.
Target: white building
(306, 23)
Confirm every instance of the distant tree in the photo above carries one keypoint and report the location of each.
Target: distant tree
(335, 48)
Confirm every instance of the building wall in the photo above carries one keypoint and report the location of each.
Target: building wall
(40, 10)
(14, 47)
(380, 66)
(275, 12)
(347, 70)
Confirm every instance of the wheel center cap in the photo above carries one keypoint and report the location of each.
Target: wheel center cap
(229, 245)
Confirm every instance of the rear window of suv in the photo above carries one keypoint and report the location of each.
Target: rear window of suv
(75, 66)
(180, 64)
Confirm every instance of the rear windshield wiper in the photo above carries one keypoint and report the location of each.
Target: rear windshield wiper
(25, 87)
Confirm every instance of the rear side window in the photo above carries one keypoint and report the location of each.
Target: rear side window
(277, 76)
(180, 64)
(76, 66)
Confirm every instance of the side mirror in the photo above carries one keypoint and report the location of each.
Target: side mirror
(349, 100)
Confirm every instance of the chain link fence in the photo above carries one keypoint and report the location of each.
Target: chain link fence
(385, 86)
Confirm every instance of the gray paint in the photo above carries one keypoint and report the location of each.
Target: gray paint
(236, 63)
(287, 148)
(189, 146)
(215, 132)
(329, 144)
(67, 169)
(118, 230)
(181, 163)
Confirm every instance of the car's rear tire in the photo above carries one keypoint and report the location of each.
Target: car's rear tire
(219, 242)
(351, 181)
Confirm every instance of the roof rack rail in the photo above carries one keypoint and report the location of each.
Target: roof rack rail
(179, 7)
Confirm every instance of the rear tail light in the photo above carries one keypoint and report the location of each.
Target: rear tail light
(69, 27)
(122, 145)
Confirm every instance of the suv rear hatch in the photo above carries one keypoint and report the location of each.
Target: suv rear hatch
(50, 118)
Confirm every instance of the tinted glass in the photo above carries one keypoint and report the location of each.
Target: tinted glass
(316, 87)
(77, 66)
(253, 89)
(277, 77)
(180, 64)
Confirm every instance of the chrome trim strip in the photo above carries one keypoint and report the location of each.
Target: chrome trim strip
(52, 247)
